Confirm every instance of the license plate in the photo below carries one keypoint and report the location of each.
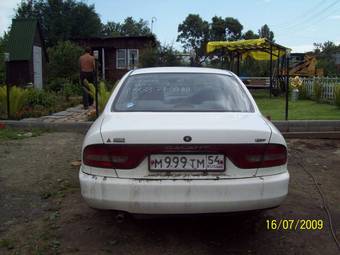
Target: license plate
(187, 162)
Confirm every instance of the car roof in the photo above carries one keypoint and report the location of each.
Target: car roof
(181, 69)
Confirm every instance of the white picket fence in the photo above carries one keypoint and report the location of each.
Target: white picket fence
(328, 87)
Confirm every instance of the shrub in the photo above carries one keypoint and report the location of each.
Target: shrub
(41, 97)
(337, 95)
(71, 89)
(317, 90)
(64, 86)
(57, 84)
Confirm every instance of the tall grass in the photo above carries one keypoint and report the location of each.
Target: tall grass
(17, 99)
(103, 93)
(317, 91)
(303, 91)
(337, 95)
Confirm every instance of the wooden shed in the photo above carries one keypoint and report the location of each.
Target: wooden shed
(117, 55)
(27, 54)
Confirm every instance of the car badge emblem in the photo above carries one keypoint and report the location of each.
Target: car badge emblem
(187, 138)
(260, 140)
(119, 140)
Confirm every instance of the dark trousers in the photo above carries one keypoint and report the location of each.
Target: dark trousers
(87, 99)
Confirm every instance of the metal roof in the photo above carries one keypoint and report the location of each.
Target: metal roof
(21, 38)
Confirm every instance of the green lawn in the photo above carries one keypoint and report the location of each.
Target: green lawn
(299, 110)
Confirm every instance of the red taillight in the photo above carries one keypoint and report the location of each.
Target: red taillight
(107, 156)
(130, 156)
(257, 155)
(275, 155)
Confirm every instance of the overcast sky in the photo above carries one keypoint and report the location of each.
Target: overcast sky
(296, 24)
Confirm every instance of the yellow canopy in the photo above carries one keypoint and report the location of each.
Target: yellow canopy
(258, 49)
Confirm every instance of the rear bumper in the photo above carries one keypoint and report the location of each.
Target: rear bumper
(184, 196)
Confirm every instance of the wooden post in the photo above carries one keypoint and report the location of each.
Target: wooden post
(95, 78)
(271, 71)
(103, 64)
(287, 83)
(8, 96)
(7, 58)
(238, 64)
(278, 69)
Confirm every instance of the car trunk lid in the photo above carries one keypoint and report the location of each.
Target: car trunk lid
(209, 132)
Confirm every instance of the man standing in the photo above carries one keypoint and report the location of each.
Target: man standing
(87, 67)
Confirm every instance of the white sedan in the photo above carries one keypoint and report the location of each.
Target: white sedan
(180, 140)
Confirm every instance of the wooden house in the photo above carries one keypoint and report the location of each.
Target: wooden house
(27, 54)
(117, 55)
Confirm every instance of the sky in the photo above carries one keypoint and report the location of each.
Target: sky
(296, 24)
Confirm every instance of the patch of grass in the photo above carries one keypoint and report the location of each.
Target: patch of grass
(298, 110)
(5, 243)
(16, 134)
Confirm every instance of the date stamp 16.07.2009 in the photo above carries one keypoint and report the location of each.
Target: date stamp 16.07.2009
(295, 224)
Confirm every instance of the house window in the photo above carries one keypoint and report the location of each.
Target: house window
(121, 58)
(133, 58)
(127, 58)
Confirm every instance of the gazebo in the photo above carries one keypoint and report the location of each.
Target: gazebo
(258, 49)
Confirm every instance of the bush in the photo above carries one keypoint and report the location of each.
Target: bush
(57, 84)
(337, 95)
(317, 90)
(71, 89)
(41, 97)
(64, 86)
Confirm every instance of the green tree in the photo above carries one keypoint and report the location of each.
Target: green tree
(64, 61)
(229, 29)
(194, 34)
(160, 56)
(149, 57)
(111, 29)
(169, 56)
(250, 35)
(325, 55)
(218, 29)
(129, 27)
(234, 29)
(61, 19)
(265, 32)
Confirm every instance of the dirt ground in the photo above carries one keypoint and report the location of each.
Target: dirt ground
(41, 210)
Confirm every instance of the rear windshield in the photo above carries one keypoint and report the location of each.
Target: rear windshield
(182, 92)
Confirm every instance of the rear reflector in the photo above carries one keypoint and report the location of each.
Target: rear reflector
(129, 156)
